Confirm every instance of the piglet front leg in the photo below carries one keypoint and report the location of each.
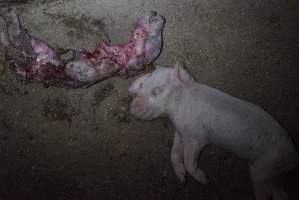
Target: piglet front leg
(177, 157)
(192, 150)
(184, 157)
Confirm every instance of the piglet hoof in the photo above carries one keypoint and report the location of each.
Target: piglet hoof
(204, 181)
(182, 178)
(181, 174)
(201, 177)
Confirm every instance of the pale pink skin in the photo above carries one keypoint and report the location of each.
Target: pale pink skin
(202, 115)
(129, 59)
(43, 54)
(107, 60)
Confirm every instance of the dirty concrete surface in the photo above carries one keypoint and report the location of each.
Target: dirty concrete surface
(80, 144)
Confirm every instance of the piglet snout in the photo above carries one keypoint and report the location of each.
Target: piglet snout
(137, 110)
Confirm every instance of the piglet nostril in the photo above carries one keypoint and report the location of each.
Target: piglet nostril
(131, 90)
(131, 110)
(131, 113)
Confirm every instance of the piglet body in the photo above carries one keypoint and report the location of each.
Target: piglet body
(203, 115)
(33, 59)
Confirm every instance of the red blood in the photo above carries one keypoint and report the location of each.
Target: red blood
(127, 59)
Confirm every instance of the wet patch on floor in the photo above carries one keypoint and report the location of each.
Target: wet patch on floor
(120, 112)
(58, 109)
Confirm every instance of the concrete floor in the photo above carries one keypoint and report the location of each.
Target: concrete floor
(80, 144)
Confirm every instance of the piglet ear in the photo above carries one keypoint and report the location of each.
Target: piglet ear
(180, 75)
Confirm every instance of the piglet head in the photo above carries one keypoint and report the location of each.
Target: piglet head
(154, 91)
(148, 29)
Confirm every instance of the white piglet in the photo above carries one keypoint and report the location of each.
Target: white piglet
(203, 115)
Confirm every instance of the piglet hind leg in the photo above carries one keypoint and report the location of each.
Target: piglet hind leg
(13, 24)
(177, 157)
(192, 150)
(4, 41)
(16, 34)
(266, 178)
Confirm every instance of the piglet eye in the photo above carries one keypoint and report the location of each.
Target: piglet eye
(156, 91)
